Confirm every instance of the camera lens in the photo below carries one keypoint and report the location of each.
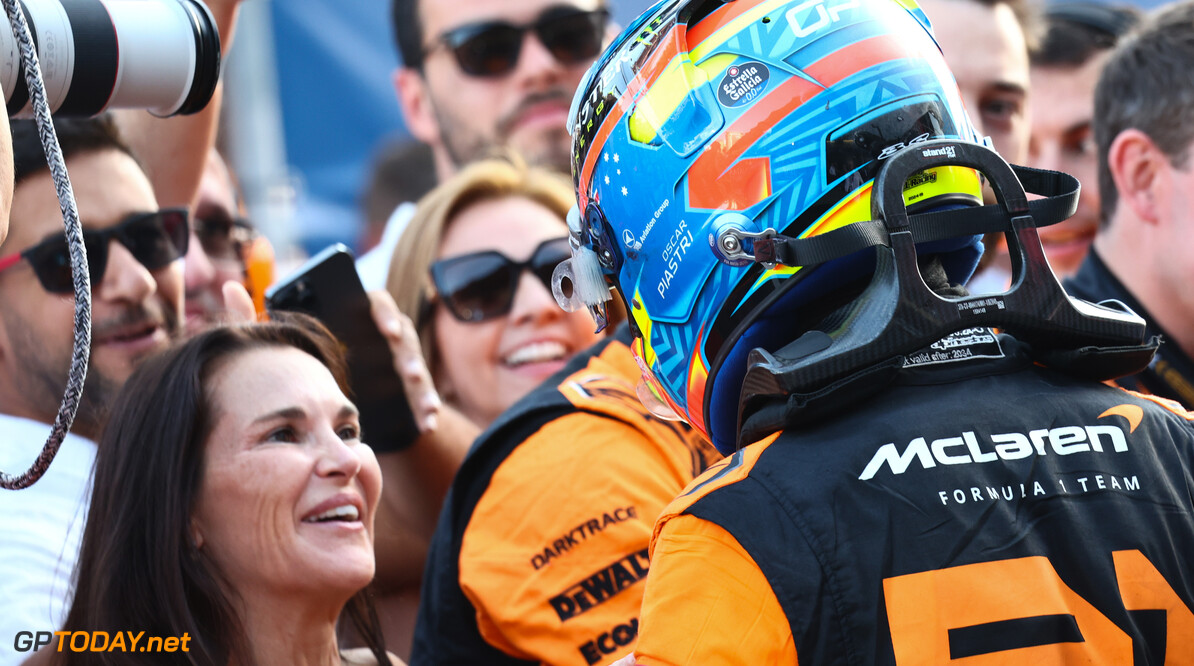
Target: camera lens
(161, 55)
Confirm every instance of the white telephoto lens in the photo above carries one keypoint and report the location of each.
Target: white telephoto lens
(160, 55)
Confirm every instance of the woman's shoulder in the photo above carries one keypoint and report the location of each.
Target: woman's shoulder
(363, 657)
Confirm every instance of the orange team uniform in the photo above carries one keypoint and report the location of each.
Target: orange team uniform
(541, 551)
(1010, 514)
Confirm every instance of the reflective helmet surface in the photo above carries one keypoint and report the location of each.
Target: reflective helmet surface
(751, 114)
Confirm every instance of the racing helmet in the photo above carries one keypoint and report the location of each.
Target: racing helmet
(747, 115)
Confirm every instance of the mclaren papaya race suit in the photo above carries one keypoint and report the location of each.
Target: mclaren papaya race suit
(980, 508)
(541, 550)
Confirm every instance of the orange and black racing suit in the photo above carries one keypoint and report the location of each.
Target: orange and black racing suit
(980, 508)
(541, 550)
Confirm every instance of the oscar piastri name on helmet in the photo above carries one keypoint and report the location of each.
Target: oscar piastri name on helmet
(674, 253)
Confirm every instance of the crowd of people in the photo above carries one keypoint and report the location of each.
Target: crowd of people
(730, 337)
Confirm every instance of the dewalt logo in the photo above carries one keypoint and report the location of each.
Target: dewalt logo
(601, 586)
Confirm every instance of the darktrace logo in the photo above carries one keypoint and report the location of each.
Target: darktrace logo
(743, 83)
(578, 535)
(967, 447)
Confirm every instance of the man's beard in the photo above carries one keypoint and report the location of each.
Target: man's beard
(464, 145)
(42, 377)
(42, 373)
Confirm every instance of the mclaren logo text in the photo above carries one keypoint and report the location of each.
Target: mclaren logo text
(966, 448)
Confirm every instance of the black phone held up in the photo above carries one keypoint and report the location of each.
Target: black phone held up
(328, 288)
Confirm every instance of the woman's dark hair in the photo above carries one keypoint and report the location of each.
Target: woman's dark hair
(138, 566)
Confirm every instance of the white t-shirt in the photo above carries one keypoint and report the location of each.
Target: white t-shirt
(40, 530)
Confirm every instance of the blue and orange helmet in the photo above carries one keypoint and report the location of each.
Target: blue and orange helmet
(707, 115)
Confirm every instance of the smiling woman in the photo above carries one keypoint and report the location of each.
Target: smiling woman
(233, 505)
(473, 270)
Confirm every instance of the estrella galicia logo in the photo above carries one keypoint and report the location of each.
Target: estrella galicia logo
(743, 83)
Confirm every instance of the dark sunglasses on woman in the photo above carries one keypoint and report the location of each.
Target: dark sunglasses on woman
(480, 286)
(154, 240)
(491, 48)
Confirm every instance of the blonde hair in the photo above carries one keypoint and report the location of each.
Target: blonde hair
(409, 281)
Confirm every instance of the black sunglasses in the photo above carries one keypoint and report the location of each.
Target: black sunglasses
(222, 237)
(491, 48)
(481, 285)
(154, 239)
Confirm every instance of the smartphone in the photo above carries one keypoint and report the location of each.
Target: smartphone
(327, 287)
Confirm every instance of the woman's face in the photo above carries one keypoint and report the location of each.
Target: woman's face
(288, 494)
(485, 367)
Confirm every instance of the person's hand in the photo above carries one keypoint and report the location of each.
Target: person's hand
(399, 331)
(628, 660)
(238, 304)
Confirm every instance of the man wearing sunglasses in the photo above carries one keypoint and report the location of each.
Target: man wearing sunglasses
(134, 253)
(219, 245)
(136, 235)
(133, 248)
(483, 73)
(477, 75)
